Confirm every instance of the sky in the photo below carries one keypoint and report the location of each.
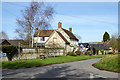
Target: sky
(90, 20)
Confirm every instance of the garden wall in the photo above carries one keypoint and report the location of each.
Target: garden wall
(32, 53)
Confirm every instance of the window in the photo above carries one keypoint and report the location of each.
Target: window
(43, 38)
(54, 40)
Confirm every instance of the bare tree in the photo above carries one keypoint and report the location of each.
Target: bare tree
(37, 15)
(78, 36)
(3, 35)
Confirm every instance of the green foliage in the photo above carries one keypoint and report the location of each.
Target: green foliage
(10, 50)
(115, 42)
(87, 53)
(109, 62)
(78, 52)
(50, 60)
(102, 51)
(71, 54)
(118, 44)
(106, 37)
(97, 51)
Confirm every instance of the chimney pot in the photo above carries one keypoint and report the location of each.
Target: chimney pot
(36, 28)
(70, 29)
(59, 25)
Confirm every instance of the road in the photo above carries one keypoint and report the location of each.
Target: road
(78, 69)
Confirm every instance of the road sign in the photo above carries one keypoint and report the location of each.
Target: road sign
(3, 54)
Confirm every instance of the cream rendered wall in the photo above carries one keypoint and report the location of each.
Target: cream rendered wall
(60, 42)
(68, 48)
(64, 34)
(73, 43)
(35, 39)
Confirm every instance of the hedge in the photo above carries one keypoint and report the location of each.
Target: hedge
(71, 54)
(10, 50)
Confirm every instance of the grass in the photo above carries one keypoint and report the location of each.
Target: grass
(50, 60)
(109, 62)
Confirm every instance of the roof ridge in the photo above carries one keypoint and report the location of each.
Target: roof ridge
(43, 33)
(48, 30)
(71, 34)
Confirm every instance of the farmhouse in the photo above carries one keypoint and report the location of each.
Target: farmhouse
(60, 38)
(42, 38)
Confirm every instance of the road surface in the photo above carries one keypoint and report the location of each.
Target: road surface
(78, 69)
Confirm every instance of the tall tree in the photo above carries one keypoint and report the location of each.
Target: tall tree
(37, 15)
(3, 35)
(114, 42)
(106, 37)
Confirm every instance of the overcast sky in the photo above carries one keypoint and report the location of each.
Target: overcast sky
(88, 19)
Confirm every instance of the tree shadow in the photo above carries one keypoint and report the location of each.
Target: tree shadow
(63, 72)
(53, 72)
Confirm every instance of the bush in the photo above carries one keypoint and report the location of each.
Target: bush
(71, 54)
(10, 50)
(102, 51)
(78, 52)
(86, 53)
(97, 51)
(110, 53)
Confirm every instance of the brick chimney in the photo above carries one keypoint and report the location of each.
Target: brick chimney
(36, 29)
(59, 25)
(70, 29)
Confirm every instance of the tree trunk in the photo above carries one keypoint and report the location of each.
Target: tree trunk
(30, 38)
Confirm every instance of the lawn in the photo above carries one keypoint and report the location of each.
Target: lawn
(109, 62)
(50, 60)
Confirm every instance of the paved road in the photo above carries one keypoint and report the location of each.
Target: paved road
(79, 69)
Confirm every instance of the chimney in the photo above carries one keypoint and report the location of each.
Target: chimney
(36, 29)
(70, 29)
(59, 25)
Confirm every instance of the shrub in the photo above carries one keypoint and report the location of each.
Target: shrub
(102, 51)
(86, 53)
(97, 51)
(71, 54)
(10, 50)
(78, 52)
(110, 53)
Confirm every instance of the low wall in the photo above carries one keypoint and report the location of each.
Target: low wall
(32, 53)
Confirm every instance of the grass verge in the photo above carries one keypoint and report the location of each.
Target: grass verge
(50, 60)
(109, 63)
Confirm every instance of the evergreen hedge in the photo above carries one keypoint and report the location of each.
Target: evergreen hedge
(10, 50)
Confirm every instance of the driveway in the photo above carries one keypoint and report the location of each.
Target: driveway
(79, 69)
